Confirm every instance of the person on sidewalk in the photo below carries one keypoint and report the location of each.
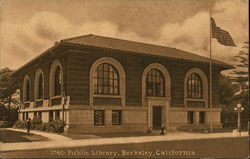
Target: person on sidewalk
(162, 129)
(28, 125)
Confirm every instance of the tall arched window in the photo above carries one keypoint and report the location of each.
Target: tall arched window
(106, 80)
(155, 85)
(194, 86)
(58, 82)
(40, 87)
(26, 89)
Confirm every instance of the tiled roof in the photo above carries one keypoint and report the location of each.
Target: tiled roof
(137, 47)
(128, 46)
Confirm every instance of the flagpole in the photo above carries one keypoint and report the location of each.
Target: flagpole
(210, 74)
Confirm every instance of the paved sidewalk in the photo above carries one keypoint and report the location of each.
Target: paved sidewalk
(58, 141)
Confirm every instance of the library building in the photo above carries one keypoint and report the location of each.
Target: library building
(101, 84)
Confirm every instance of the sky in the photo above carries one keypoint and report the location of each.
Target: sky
(29, 27)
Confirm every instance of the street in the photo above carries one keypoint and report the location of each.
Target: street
(235, 147)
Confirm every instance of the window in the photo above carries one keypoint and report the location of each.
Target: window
(35, 114)
(194, 86)
(155, 83)
(55, 80)
(40, 87)
(50, 115)
(106, 80)
(98, 117)
(27, 115)
(26, 89)
(202, 118)
(190, 117)
(40, 115)
(116, 117)
(58, 82)
(23, 116)
(57, 114)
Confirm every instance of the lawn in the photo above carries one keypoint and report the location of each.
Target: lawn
(8, 136)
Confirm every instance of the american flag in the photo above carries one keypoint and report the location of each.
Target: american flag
(222, 36)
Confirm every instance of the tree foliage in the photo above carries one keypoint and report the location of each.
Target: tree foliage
(235, 89)
(241, 62)
(226, 90)
(9, 93)
(9, 97)
(240, 75)
(226, 97)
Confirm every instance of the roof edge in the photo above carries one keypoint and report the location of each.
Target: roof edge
(35, 58)
(224, 65)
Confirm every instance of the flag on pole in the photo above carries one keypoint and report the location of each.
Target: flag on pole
(222, 36)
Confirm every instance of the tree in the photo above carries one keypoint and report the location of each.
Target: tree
(239, 76)
(226, 97)
(9, 96)
(240, 73)
(226, 90)
(9, 93)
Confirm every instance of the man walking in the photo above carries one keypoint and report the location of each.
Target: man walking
(28, 124)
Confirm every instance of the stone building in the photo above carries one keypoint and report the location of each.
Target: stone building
(102, 84)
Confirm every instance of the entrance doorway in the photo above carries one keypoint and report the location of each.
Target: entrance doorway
(156, 117)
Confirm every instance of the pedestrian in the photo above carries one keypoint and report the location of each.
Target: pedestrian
(28, 125)
(162, 129)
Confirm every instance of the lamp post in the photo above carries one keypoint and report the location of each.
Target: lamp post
(239, 109)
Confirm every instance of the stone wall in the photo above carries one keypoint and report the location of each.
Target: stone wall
(82, 120)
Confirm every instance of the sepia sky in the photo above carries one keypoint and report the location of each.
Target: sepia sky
(29, 27)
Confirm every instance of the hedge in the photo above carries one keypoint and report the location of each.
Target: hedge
(5, 124)
(56, 126)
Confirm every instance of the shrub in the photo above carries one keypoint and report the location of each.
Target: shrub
(8, 113)
(5, 124)
(20, 124)
(41, 127)
(35, 122)
(56, 126)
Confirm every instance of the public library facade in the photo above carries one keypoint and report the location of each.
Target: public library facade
(102, 84)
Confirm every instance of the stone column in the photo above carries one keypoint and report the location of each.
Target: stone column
(20, 116)
(31, 115)
(196, 117)
(54, 115)
(45, 116)
(108, 117)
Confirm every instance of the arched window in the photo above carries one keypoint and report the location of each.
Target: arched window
(26, 89)
(40, 87)
(194, 86)
(106, 80)
(155, 85)
(58, 82)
